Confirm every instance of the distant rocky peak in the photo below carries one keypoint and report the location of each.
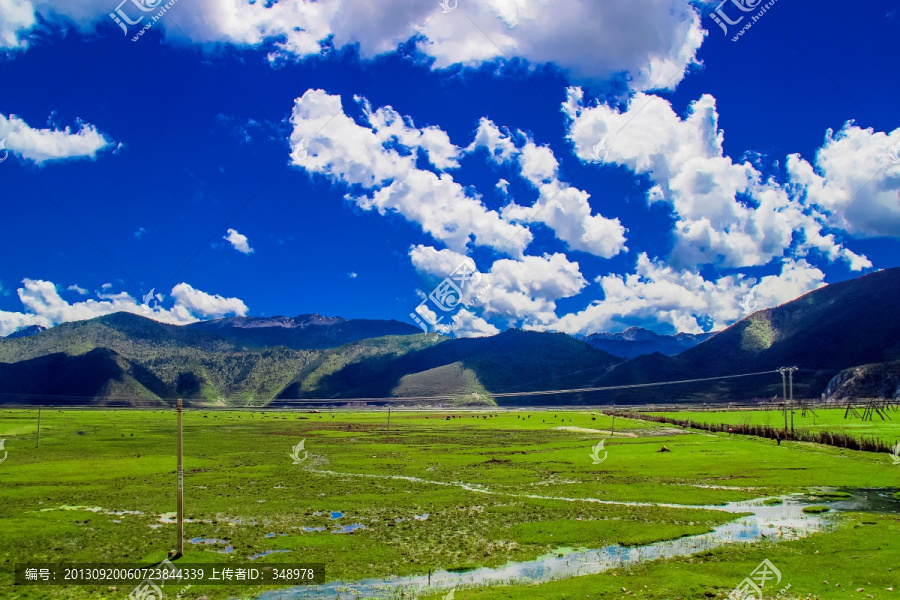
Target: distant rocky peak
(27, 331)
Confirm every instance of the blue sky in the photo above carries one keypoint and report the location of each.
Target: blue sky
(353, 161)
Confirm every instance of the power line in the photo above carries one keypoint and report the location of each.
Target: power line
(293, 401)
(535, 393)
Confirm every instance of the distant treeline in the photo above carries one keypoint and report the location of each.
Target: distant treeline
(840, 440)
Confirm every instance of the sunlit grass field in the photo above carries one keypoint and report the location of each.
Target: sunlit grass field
(830, 419)
(241, 485)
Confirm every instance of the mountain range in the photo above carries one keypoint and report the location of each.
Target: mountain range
(304, 332)
(124, 358)
(635, 341)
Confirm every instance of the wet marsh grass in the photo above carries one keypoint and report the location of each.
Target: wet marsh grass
(240, 484)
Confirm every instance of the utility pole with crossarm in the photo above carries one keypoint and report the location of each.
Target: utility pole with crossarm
(789, 371)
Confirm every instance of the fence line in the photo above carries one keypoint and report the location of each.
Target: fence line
(839, 440)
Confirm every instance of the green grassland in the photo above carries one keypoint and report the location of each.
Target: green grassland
(830, 419)
(241, 484)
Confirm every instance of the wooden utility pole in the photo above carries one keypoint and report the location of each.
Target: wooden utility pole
(39, 428)
(180, 502)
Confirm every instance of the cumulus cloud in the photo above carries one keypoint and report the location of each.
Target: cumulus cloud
(563, 208)
(327, 141)
(522, 290)
(238, 241)
(650, 43)
(201, 304)
(17, 18)
(44, 306)
(856, 179)
(45, 145)
(468, 324)
(683, 300)
(726, 213)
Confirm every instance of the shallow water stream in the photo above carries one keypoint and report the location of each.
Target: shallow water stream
(785, 521)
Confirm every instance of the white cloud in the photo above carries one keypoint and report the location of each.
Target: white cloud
(16, 19)
(78, 289)
(467, 324)
(512, 290)
(563, 208)
(857, 178)
(201, 304)
(658, 294)
(727, 213)
(45, 145)
(650, 42)
(44, 306)
(238, 241)
(524, 293)
(327, 141)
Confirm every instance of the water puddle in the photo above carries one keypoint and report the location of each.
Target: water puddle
(421, 517)
(785, 521)
(95, 509)
(336, 515)
(169, 518)
(349, 528)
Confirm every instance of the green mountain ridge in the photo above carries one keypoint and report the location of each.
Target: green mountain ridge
(835, 327)
(511, 361)
(303, 332)
(122, 356)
